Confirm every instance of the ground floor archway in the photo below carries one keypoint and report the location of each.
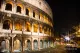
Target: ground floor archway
(17, 46)
(4, 46)
(41, 44)
(28, 45)
(35, 44)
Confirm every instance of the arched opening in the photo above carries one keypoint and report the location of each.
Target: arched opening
(41, 44)
(3, 46)
(8, 7)
(35, 45)
(6, 24)
(34, 14)
(45, 30)
(35, 26)
(27, 12)
(40, 28)
(17, 46)
(28, 26)
(45, 43)
(18, 9)
(39, 16)
(48, 43)
(28, 45)
(18, 26)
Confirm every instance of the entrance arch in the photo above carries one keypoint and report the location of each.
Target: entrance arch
(28, 45)
(17, 45)
(45, 44)
(41, 44)
(35, 43)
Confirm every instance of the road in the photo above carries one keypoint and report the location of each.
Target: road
(58, 49)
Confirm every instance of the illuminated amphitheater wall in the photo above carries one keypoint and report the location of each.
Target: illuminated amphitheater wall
(25, 25)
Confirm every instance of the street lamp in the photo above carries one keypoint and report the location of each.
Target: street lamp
(67, 38)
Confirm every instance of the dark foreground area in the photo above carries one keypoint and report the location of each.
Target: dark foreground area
(58, 49)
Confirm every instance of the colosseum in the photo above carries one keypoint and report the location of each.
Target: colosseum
(25, 25)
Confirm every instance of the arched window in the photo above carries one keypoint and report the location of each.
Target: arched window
(33, 14)
(28, 45)
(45, 30)
(45, 43)
(39, 16)
(40, 29)
(41, 44)
(27, 12)
(18, 26)
(35, 45)
(3, 45)
(6, 24)
(28, 26)
(17, 45)
(35, 27)
(8, 7)
(18, 9)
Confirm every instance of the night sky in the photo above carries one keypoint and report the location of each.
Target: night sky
(64, 15)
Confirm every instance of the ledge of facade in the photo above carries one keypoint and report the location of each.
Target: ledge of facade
(34, 33)
(27, 33)
(17, 32)
(23, 16)
(41, 34)
(5, 31)
(45, 35)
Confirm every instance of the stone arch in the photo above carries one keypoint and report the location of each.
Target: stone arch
(27, 11)
(35, 26)
(41, 43)
(7, 24)
(28, 44)
(18, 9)
(34, 14)
(17, 45)
(45, 44)
(35, 44)
(8, 7)
(18, 25)
(3, 45)
(28, 26)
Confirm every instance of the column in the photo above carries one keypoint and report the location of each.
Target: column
(12, 45)
(38, 43)
(32, 43)
(32, 29)
(38, 29)
(22, 44)
(7, 44)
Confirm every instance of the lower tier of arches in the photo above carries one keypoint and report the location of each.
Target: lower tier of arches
(15, 43)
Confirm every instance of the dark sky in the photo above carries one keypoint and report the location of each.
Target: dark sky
(64, 14)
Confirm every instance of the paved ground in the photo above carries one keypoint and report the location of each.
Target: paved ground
(58, 49)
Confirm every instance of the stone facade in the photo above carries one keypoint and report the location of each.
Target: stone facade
(24, 26)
